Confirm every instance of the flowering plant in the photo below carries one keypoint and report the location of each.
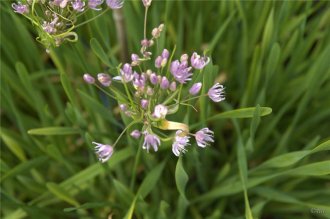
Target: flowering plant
(150, 95)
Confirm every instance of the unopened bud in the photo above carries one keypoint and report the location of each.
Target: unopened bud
(89, 79)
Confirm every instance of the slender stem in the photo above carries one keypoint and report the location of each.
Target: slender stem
(136, 163)
(106, 92)
(145, 23)
(89, 20)
(121, 134)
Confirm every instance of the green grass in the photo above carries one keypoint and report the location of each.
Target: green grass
(265, 163)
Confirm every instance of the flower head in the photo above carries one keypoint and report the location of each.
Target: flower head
(203, 137)
(103, 151)
(199, 62)
(160, 111)
(150, 140)
(181, 71)
(20, 8)
(216, 93)
(180, 142)
(195, 88)
(93, 4)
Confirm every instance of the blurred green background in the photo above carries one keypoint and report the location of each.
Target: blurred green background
(269, 53)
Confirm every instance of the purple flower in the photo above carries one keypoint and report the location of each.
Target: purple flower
(153, 78)
(78, 5)
(20, 8)
(139, 81)
(216, 93)
(164, 84)
(160, 111)
(181, 141)
(158, 62)
(203, 137)
(146, 3)
(181, 71)
(150, 140)
(144, 103)
(165, 54)
(126, 74)
(173, 86)
(93, 4)
(135, 59)
(60, 3)
(199, 62)
(115, 4)
(89, 79)
(103, 151)
(136, 134)
(104, 79)
(49, 27)
(195, 88)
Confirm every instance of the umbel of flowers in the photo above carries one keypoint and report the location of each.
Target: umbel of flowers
(148, 96)
(55, 20)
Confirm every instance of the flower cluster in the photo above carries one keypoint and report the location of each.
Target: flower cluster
(55, 20)
(151, 95)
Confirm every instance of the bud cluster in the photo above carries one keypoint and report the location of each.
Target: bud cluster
(55, 20)
(148, 96)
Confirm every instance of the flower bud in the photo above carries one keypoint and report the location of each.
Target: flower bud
(136, 134)
(153, 78)
(160, 111)
(89, 79)
(164, 84)
(123, 107)
(195, 88)
(158, 62)
(173, 86)
(104, 79)
(155, 33)
(165, 54)
(163, 63)
(144, 103)
(184, 58)
(150, 91)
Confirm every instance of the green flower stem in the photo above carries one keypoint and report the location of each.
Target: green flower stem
(127, 127)
(134, 169)
(106, 92)
(145, 23)
(169, 62)
(170, 98)
(89, 20)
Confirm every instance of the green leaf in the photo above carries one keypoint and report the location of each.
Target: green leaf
(53, 131)
(68, 88)
(61, 193)
(181, 179)
(98, 50)
(151, 179)
(12, 144)
(27, 165)
(87, 205)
